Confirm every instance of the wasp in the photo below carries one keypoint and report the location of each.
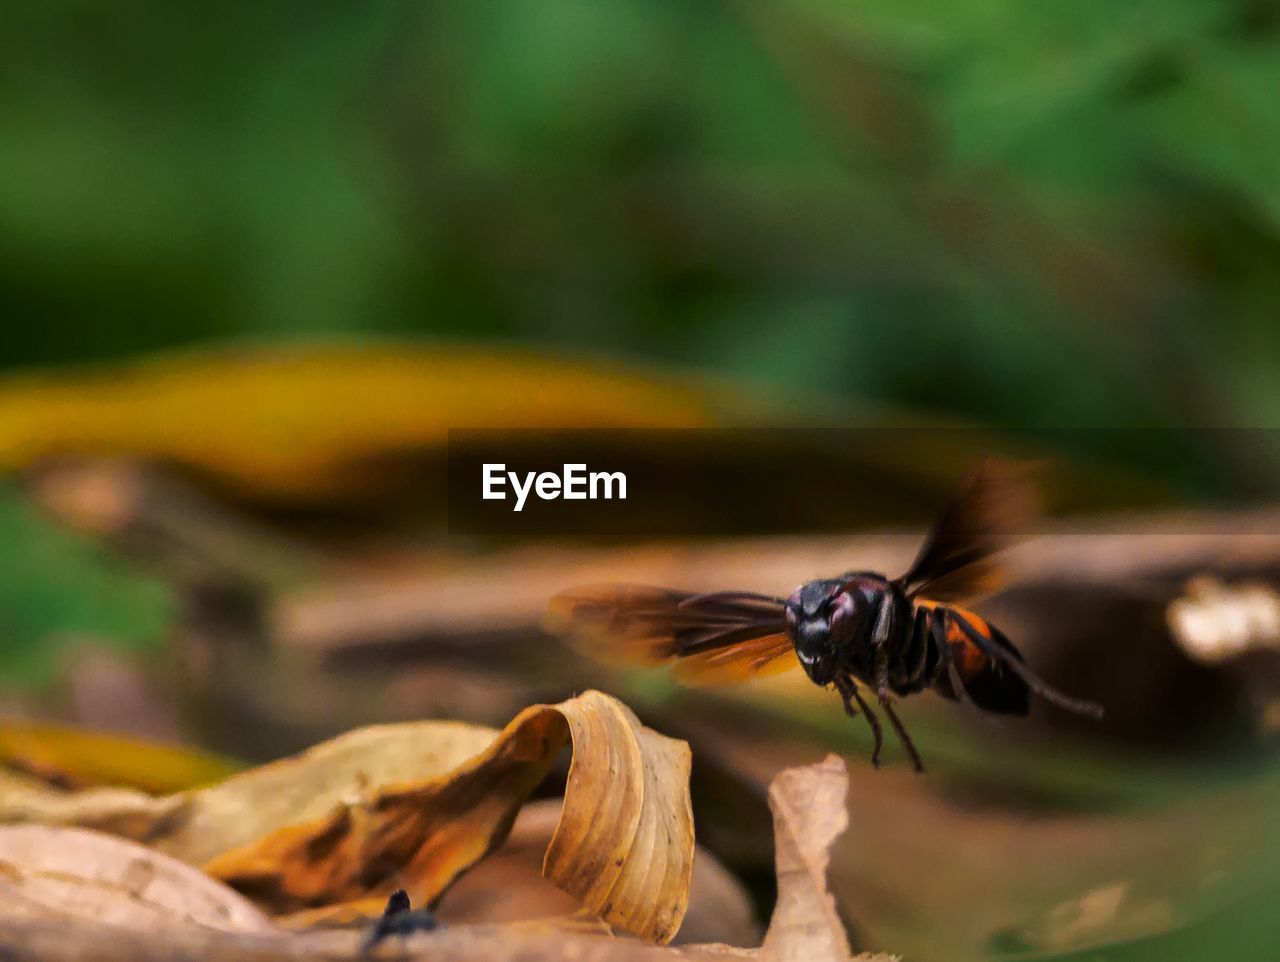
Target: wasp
(860, 632)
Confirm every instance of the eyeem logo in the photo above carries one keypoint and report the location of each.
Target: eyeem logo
(572, 484)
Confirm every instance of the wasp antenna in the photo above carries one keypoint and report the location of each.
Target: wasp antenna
(1052, 695)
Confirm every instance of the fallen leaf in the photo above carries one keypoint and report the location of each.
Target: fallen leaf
(119, 811)
(809, 814)
(509, 886)
(310, 421)
(67, 757)
(626, 833)
(336, 776)
(623, 845)
(74, 872)
(808, 805)
(414, 806)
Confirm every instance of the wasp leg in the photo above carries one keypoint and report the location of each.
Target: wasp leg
(919, 645)
(880, 635)
(939, 629)
(847, 698)
(994, 651)
(904, 737)
(848, 689)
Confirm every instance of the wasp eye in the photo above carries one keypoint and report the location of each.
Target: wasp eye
(840, 617)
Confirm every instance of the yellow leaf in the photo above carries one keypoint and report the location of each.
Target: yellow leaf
(69, 757)
(311, 420)
(627, 827)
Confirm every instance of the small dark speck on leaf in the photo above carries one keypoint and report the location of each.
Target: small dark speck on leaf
(398, 919)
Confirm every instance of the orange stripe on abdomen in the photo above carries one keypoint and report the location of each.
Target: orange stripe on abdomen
(969, 658)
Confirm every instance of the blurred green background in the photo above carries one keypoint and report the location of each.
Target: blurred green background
(1028, 213)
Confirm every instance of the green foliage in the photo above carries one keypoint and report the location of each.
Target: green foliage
(1024, 213)
(60, 591)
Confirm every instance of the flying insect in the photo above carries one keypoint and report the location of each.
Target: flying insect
(859, 632)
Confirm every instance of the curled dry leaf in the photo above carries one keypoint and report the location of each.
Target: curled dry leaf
(329, 833)
(624, 844)
(509, 886)
(809, 814)
(51, 872)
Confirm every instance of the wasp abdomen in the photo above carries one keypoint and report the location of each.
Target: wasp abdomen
(988, 683)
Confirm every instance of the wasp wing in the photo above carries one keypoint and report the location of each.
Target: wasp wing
(713, 638)
(957, 560)
(765, 655)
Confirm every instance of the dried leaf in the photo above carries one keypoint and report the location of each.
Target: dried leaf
(509, 886)
(808, 806)
(626, 832)
(809, 814)
(414, 806)
(119, 811)
(317, 785)
(47, 871)
(623, 846)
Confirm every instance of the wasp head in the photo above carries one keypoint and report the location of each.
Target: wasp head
(822, 619)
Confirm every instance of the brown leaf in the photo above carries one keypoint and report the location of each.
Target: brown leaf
(623, 845)
(809, 814)
(509, 886)
(313, 786)
(47, 871)
(119, 811)
(330, 833)
(808, 805)
(626, 832)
